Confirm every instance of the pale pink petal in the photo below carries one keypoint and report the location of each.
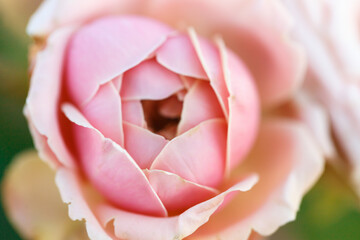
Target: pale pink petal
(176, 193)
(200, 104)
(142, 145)
(80, 203)
(106, 104)
(210, 59)
(288, 163)
(187, 154)
(307, 110)
(178, 55)
(56, 13)
(135, 227)
(149, 80)
(244, 107)
(133, 112)
(276, 63)
(117, 82)
(132, 40)
(171, 107)
(111, 169)
(28, 193)
(188, 81)
(40, 142)
(42, 102)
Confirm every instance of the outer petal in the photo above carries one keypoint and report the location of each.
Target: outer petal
(305, 109)
(276, 63)
(139, 227)
(109, 56)
(111, 169)
(29, 192)
(44, 95)
(80, 203)
(56, 13)
(288, 163)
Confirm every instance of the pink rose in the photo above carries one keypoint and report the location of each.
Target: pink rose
(157, 130)
(330, 32)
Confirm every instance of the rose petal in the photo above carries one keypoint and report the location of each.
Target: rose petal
(288, 163)
(106, 104)
(135, 227)
(276, 63)
(133, 113)
(210, 59)
(53, 14)
(142, 145)
(200, 104)
(187, 154)
(314, 116)
(177, 193)
(42, 102)
(80, 203)
(109, 56)
(171, 107)
(29, 191)
(149, 80)
(178, 55)
(111, 169)
(243, 107)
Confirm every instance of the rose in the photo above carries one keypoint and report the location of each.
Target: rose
(329, 30)
(109, 167)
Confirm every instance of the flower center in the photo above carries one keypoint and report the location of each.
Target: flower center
(163, 116)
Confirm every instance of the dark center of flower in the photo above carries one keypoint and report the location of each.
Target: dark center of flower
(163, 116)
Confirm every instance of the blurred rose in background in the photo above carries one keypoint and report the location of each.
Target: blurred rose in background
(330, 211)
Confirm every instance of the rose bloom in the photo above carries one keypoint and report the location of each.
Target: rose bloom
(330, 32)
(161, 118)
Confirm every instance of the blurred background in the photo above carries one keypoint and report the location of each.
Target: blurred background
(330, 211)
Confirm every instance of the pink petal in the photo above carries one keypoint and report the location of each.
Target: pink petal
(305, 109)
(142, 145)
(288, 163)
(178, 55)
(44, 94)
(135, 226)
(97, 53)
(211, 61)
(149, 80)
(243, 108)
(80, 203)
(106, 104)
(133, 113)
(54, 14)
(111, 169)
(117, 82)
(200, 104)
(171, 107)
(175, 192)
(276, 62)
(187, 154)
